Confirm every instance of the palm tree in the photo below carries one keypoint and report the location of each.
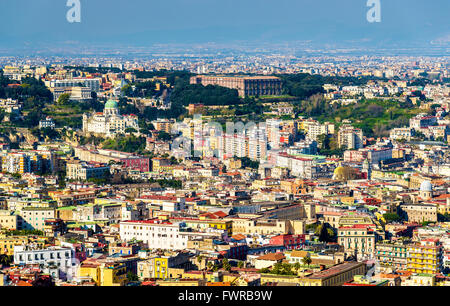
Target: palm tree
(306, 260)
(209, 265)
(296, 266)
(226, 265)
(199, 258)
(5, 260)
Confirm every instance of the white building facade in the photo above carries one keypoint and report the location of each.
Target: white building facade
(156, 234)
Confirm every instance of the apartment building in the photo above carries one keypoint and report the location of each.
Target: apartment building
(33, 218)
(401, 133)
(7, 243)
(72, 197)
(92, 83)
(158, 266)
(162, 124)
(358, 239)
(60, 262)
(392, 254)
(313, 128)
(103, 272)
(425, 256)
(77, 93)
(350, 137)
(80, 170)
(10, 106)
(422, 121)
(157, 234)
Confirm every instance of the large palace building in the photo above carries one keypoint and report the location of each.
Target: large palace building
(245, 85)
(110, 122)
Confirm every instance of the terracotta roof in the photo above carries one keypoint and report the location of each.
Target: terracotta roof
(24, 284)
(238, 237)
(220, 214)
(299, 253)
(272, 256)
(442, 196)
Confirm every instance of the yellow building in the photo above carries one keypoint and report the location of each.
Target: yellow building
(7, 243)
(181, 282)
(275, 278)
(203, 223)
(8, 220)
(266, 183)
(65, 213)
(344, 173)
(176, 272)
(233, 164)
(70, 197)
(104, 274)
(157, 267)
(443, 208)
(207, 276)
(222, 225)
(161, 165)
(425, 257)
(230, 278)
(421, 279)
(348, 200)
(162, 266)
(15, 163)
(296, 186)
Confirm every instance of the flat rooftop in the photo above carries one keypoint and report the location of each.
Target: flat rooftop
(335, 270)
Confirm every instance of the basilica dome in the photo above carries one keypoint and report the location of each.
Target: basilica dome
(426, 186)
(111, 104)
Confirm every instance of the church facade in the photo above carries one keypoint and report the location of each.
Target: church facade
(110, 122)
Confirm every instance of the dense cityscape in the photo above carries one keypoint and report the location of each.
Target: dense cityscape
(255, 170)
(208, 152)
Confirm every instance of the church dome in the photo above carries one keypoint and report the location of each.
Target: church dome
(426, 186)
(344, 173)
(339, 171)
(111, 104)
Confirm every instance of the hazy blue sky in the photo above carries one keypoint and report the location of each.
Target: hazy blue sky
(145, 22)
